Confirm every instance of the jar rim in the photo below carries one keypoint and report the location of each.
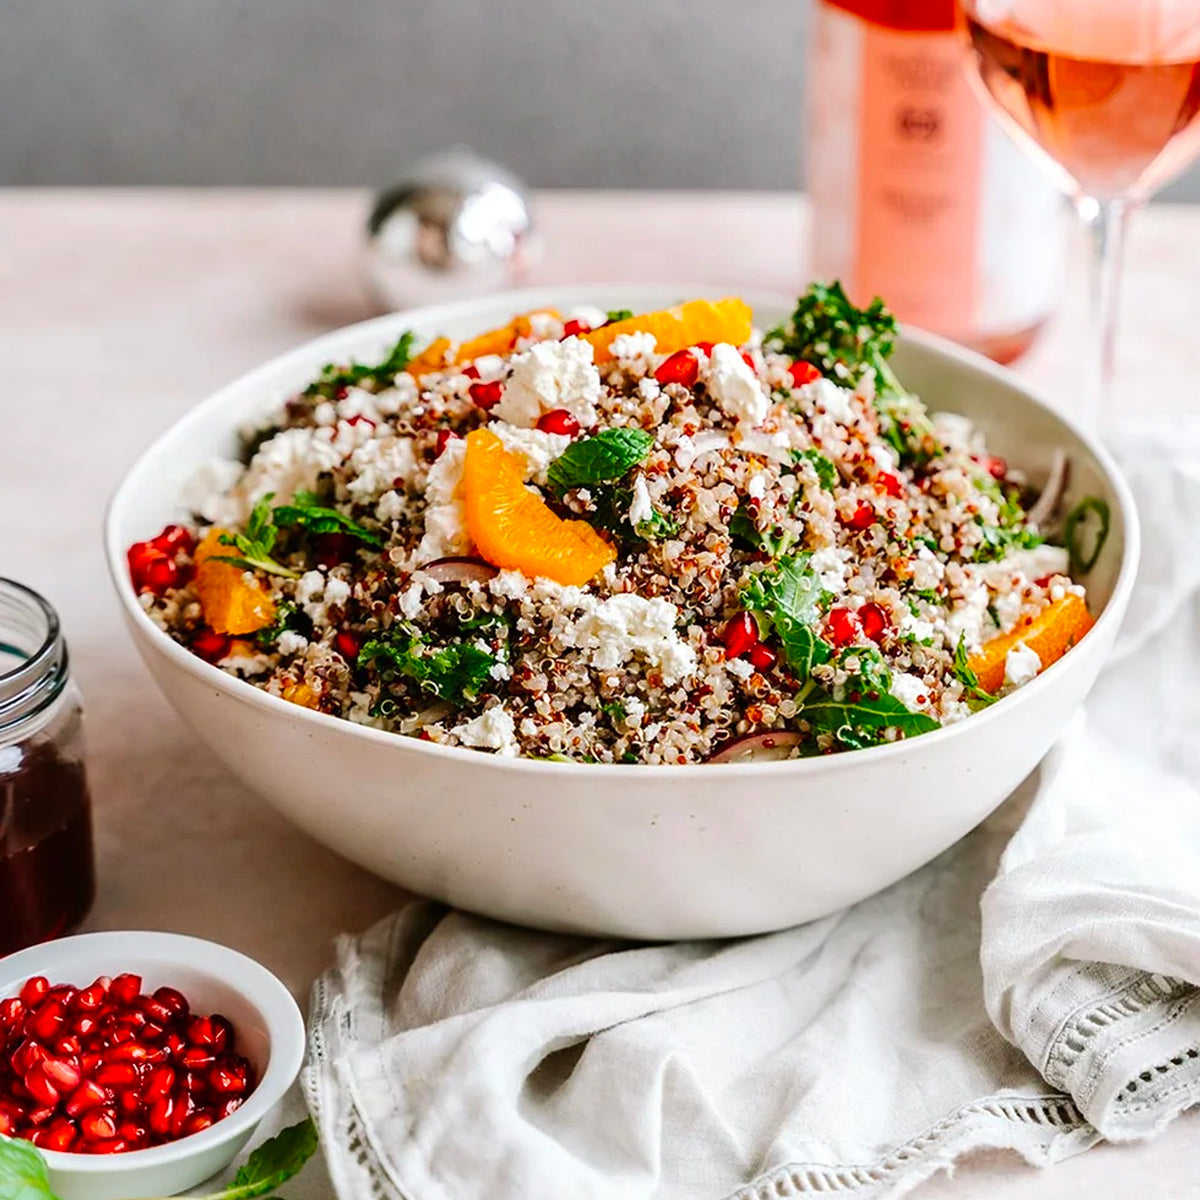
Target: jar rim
(36, 681)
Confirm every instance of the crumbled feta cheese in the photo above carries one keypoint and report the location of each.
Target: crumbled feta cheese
(1021, 664)
(410, 600)
(402, 392)
(966, 619)
(391, 507)
(445, 519)
(549, 376)
(829, 564)
(909, 690)
(545, 325)
(337, 591)
(1035, 563)
(632, 348)
(882, 457)
(1007, 606)
(492, 730)
(649, 389)
(325, 413)
(954, 429)
(740, 668)
(291, 642)
(538, 448)
(589, 314)
(735, 387)
(379, 463)
(205, 491)
(489, 366)
(641, 509)
(614, 629)
(834, 401)
(509, 585)
(290, 462)
(756, 487)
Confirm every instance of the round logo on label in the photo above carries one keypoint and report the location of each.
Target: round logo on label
(918, 124)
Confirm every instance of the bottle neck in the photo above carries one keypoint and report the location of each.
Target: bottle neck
(34, 667)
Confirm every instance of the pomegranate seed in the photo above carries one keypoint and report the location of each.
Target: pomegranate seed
(444, 438)
(26, 1056)
(740, 635)
(47, 1021)
(890, 484)
(346, 645)
(843, 626)
(211, 645)
(862, 518)
(119, 1034)
(88, 1095)
(113, 1146)
(558, 421)
(89, 1061)
(126, 1051)
(574, 327)
(60, 1135)
(174, 1001)
(748, 359)
(682, 367)
(222, 1033)
(873, 620)
(762, 657)
(152, 1031)
(803, 372)
(487, 395)
(8, 1123)
(125, 989)
(34, 991)
(174, 1043)
(63, 1075)
(12, 1012)
(193, 1081)
(160, 1083)
(39, 1116)
(180, 1113)
(129, 1103)
(134, 1132)
(173, 539)
(197, 1122)
(40, 1087)
(199, 1032)
(158, 1115)
(229, 1105)
(98, 1125)
(225, 1079)
(67, 1047)
(117, 1075)
(197, 1058)
(86, 1025)
(89, 999)
(471, 371)
(155, 1010)
(704, 347)
(996, 467)
(160, 574)
(131, 1018)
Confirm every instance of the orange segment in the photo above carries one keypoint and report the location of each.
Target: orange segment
(302, 694)
(514, 529)
(231, 603)
(728, 320)
(1050, 634)
(495, 341)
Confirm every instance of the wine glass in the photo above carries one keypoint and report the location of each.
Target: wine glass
(1107, 94)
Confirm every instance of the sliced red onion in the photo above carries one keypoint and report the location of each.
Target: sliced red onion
(759, 747)
(1046, 505)
(459, 570)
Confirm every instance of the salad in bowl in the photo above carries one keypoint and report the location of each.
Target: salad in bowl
(608, 537)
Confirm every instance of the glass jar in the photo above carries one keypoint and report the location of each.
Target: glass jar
(47, 875)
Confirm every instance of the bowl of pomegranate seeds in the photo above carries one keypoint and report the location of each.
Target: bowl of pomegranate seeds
(140, 1063)
(554, 604)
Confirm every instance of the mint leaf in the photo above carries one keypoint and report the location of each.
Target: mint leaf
(605, 458)
(1077, 518)
(333, 377)
(273, 1163)
(23, 1173)
(787, 598)
(256, 543)
(962, 671)
(827, 475)
(619, 314)
(456, 673)
(307, 514)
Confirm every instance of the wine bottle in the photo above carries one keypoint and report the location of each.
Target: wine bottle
(918, 195)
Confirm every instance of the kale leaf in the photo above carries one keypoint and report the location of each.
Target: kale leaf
(787, 598)
(334, 377)
(457, 672)
(827, 474)
(743, 529)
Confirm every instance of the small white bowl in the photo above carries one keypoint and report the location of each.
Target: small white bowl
(215, 979)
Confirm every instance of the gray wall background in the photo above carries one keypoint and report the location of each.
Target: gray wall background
(569, 93)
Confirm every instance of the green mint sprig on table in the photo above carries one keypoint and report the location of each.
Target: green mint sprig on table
(334, 377)
(456, 673)
(24, 1175)
(307, 514)
(256, 542)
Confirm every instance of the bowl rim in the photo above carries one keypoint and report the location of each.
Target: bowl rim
(258, 985)
(560, 294)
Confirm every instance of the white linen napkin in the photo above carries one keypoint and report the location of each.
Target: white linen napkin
(454, 1057)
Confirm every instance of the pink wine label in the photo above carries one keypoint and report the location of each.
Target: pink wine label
(919, 179)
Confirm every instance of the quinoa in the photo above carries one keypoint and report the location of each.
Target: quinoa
(786, 536)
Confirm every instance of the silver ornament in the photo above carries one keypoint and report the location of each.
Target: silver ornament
(457, 225)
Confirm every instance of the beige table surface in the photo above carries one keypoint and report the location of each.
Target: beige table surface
(120, 309)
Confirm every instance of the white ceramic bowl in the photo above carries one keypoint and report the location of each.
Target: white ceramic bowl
(639, 851)
(270, 1033)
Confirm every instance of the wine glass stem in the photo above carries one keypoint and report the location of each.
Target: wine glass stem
(1106, 222)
